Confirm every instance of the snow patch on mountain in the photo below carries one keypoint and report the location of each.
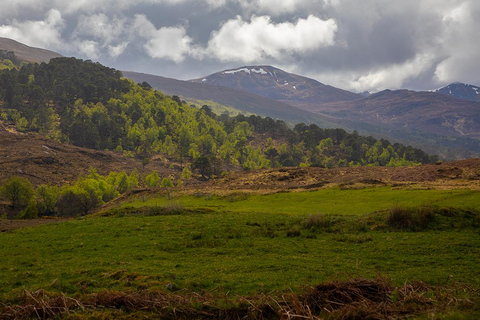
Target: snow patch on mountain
(247, 70)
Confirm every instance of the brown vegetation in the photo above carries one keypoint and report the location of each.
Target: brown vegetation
(464, 173)
(350, 299)
(45, 161)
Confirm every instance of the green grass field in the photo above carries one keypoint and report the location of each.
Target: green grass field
(326, 201)
(245, 244)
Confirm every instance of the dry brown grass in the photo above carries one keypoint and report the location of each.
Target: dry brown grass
(351, 299)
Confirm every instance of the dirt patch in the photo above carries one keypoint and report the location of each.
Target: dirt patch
(7, 225)
(465, 173)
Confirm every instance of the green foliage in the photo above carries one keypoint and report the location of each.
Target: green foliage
(92, 106)
(167, 183)
(47, 197)
(79, 199)
(186, 173)
(30, 212)
(19, 191)
(153, 179)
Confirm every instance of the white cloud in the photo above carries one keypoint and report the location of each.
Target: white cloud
(43, 34)
(459, 44)
(391, 76)
(110, 35)
(115, 51)
(108, 29)
(89, 48)
(169, 43)
(238, 40)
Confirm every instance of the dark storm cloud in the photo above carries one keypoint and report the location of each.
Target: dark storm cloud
(356, 45)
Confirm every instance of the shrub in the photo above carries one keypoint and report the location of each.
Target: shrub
(171, 208)
(19, 191)
(319, 222)
(294, 231)
(413, 219)
(30, 212)
(153, 180)
(166, 183)
(47, 197)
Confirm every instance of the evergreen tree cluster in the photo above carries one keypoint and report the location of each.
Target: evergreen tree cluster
(89, 105)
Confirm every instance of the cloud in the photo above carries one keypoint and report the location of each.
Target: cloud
(104, 35)
(273, 7)
(459, 44)
(239, 40)
(43, 34)
(89, 48)
(170, 43)
(393, 76)
(356, 45)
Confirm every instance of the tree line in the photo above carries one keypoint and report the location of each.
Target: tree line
(79, 198)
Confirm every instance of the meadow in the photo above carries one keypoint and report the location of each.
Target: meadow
(248, 244)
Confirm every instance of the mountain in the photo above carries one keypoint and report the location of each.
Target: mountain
(279, 85)
(25, 53)
(241, 100)
(461, 91)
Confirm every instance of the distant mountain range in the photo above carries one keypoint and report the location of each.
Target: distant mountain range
(26, 53)
(444, 121)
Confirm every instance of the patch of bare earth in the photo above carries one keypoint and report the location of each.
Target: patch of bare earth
(458, 174)
(7, 225)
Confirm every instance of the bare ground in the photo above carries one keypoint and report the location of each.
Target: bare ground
(7, 225)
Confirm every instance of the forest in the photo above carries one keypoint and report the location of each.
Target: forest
(93, 106)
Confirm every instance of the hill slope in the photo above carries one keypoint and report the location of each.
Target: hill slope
(240, 100)
(26, 53)
(43, 160)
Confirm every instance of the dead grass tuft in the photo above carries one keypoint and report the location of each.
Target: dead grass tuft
(350, 299)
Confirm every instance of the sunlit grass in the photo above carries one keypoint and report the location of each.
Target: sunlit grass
(327, 201)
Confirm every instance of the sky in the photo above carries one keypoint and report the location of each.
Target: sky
(367, 45)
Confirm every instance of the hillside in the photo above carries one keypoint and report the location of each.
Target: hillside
(26, 53)
(45, 161)
(243, 101)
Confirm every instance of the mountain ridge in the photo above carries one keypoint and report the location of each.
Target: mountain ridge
(461, 91)
(27, 53)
